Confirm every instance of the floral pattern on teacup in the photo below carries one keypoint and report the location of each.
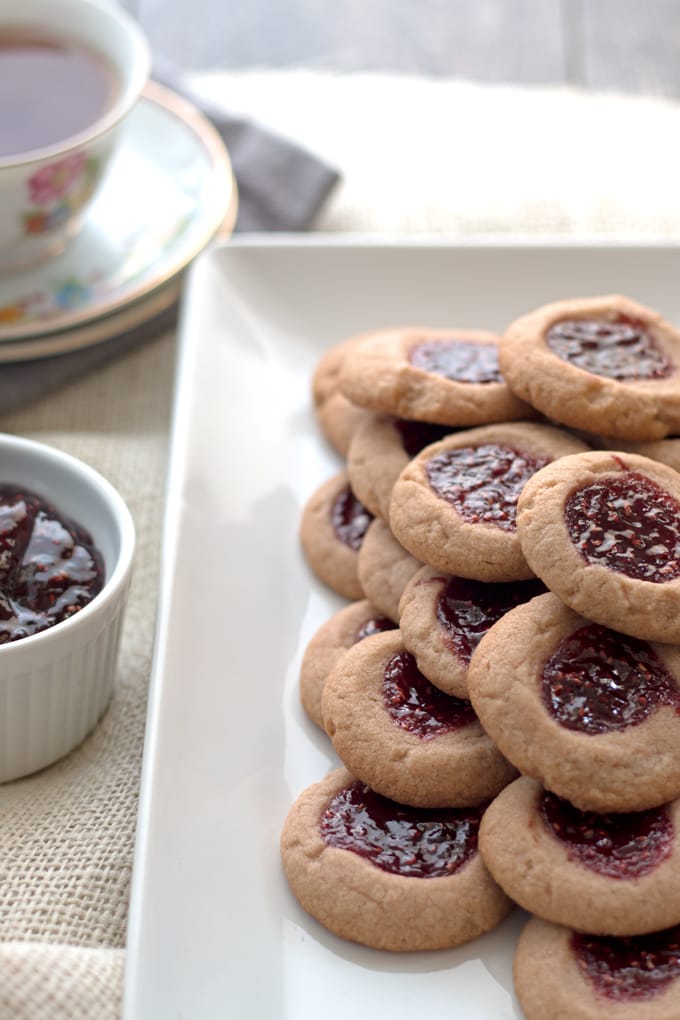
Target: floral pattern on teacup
(58, 190)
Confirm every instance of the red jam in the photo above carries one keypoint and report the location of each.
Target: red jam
(620, 348)
(374, 625)
(350, 519)
(483, 483)
(417, 705)
(629, 969)
(598, 680)
(629, 524)
(467, 609)
(413, 842)
(458, 360)
(616, 845)
(416, 435)
(49, 567)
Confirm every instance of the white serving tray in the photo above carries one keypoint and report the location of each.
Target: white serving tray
(214, 931)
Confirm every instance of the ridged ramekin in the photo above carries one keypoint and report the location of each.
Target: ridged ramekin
(55, 685)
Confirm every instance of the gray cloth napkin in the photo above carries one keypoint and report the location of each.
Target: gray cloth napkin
(281, 187)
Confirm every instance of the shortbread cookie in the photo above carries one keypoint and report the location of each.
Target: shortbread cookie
(388, 876)
(607, 874)
(332, 529)
(607, 365)
(384, 568)
(450, 377)
(345, 628)
(336, 415)
(403, 737)
(561, 974)
(666, 451)
(454, 505)
(381, 447)
(592, 714)
(442, 620)
(602, 530)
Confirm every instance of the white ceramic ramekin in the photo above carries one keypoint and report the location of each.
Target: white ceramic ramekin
(45, 194)
(55, 685)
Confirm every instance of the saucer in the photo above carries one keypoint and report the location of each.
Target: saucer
(139, 317)
(169, 191)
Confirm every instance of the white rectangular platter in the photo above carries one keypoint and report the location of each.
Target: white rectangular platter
(214, 931)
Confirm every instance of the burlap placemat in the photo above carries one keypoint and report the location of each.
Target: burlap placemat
(67, 834)
(478, 163)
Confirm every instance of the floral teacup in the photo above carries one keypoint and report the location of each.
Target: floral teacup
(45, 191)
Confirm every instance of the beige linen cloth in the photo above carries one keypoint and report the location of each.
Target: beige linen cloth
(416, 155)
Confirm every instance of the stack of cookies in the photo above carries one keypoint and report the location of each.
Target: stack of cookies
(503, 689)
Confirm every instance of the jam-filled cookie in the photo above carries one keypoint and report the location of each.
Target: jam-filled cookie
(450, 377)
(336, 415)
(345, 628)
(561, 974)
(381, 447)
(592, 714)
(607, 874)
(666, 451)
(602, 530)
(332, 530)
(454, 505)
(388, 876)
(384, 568)
(607, 365)
(403, 737)
(443, 618)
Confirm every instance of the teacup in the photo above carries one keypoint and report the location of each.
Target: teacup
(74, 70)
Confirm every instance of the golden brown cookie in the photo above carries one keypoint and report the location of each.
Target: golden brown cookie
(381, 447)
(589, 712)
(336, 415)
(403, 737)
(420, 884)
(602, 530)
(384, 568)
(329, 643)
(607, 365)
(666, 451)
(332, 529)
(454, 505)
(561, 974)
(443, 618)
(607, 874)
(450, 377)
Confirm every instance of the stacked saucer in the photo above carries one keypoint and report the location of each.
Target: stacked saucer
(169, 191)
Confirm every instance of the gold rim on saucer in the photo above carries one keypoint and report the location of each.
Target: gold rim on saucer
(105, 328)
(216, 220)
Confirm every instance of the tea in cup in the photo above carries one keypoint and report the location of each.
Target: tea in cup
(70, 73)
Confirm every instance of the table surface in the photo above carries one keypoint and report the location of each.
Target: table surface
(620, 45)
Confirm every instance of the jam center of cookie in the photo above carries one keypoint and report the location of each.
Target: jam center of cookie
(629, 524)
(616, 349)
(632, 968)
(483, 483)
(467, 609)
(416, 435)
(412, 842)
(350, 519)
(417, 705)
(616, 845)
(458, 360)
(374, 625)
(598, 680)
(49, 566)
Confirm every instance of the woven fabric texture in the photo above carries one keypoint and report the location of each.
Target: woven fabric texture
(67, 833)
(450, 158)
